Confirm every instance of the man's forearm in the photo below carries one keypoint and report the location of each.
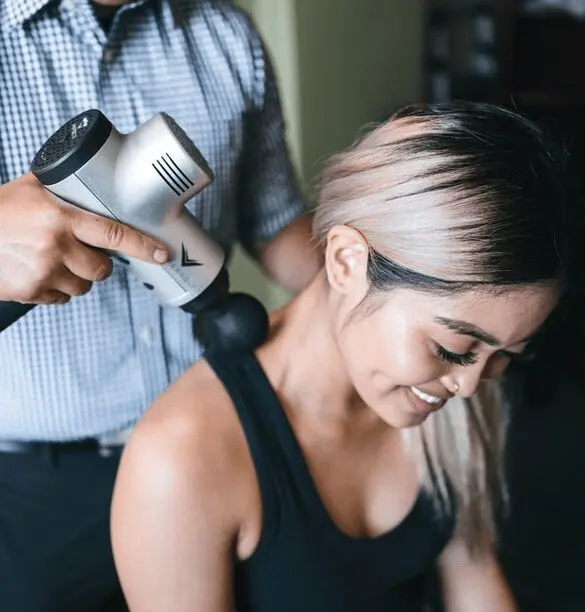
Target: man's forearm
(292, 259)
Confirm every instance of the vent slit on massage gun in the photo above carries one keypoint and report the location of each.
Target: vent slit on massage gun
(177, 171)
(172, 174)
(166, 180)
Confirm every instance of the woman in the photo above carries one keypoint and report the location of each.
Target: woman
(357, 449)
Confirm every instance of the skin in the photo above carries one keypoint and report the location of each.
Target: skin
(290, 259)
(46, 253)
(187, 499)
(106, 8)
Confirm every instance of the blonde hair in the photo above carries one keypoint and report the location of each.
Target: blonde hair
(449, 198)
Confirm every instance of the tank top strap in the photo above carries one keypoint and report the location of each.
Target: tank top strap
(280, 466)
(303, 561)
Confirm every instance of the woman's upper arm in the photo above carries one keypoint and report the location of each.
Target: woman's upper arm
(473, 584)
(172, 528)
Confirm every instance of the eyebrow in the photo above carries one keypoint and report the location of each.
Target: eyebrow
(468, 329)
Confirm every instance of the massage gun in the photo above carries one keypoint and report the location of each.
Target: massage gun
(143, 179)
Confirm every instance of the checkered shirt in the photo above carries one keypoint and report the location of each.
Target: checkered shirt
(91, 367)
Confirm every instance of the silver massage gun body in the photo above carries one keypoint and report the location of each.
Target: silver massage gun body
(144, 179)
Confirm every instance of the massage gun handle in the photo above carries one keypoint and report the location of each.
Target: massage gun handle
(10, 312)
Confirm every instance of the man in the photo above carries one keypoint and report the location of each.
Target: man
(74, 378)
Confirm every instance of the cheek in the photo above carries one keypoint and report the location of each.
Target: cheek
(385, 354)
(402, 352)
(357, 350)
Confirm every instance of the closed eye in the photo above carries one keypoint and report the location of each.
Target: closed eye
(461, 359)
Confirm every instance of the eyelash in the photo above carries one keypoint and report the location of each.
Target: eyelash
(470, 358)
(462, 360)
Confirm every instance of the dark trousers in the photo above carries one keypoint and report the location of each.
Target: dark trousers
(55, 553)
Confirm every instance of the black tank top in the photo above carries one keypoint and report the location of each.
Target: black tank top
(304, 562)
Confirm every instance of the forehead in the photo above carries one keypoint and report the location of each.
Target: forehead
(509, 315)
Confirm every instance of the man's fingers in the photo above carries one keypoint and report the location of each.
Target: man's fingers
(104, 233)
(69, 284)
(88, 263)
(52, 297)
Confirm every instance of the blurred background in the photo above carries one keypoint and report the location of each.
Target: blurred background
(342, 64)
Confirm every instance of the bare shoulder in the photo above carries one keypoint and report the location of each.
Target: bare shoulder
(189, 446)
(194, 414)
(183, 499)
(191, 429)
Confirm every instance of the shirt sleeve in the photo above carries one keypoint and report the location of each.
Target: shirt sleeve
(269, 196)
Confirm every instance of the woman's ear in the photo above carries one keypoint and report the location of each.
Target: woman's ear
(346, 260)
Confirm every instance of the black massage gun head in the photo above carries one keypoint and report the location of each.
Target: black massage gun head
(227, 322)
(234, 323)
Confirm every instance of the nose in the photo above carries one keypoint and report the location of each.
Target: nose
(466, 379)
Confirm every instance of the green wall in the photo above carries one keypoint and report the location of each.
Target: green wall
(357, 59)
(341, 64)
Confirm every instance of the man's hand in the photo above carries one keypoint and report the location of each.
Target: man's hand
(45, 247)
(292, 259)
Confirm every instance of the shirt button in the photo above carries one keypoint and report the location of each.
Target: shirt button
(109, 55)
(147, 335)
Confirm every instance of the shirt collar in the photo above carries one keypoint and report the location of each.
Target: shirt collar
(17, 12)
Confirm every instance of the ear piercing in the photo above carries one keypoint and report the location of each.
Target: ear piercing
(349, 252)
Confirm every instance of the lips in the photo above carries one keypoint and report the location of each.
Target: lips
(424, 403)
(427, 397)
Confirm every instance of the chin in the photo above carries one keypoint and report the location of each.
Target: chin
(399, 412)
(396, 418)
(406, 420)
(413, 420)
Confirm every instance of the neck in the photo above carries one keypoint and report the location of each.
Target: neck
(304, 364)
(104, 11)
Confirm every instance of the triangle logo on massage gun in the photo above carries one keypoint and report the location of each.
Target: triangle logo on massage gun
(186, 261)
